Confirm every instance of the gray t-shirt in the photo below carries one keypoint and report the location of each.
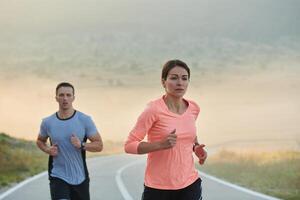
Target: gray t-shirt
(69, 165)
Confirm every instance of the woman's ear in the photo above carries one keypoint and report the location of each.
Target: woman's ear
(163, 82)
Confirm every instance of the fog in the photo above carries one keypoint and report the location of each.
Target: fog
(244, 57)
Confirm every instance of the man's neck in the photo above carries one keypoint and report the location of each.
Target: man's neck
(65, 114)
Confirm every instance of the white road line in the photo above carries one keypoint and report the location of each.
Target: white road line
(126, 194)
(120, 183)
(266, 197)
(21, 184)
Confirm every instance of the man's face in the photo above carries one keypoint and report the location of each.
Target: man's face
(65, 97)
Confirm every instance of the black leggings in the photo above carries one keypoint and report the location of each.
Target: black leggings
(191, 192)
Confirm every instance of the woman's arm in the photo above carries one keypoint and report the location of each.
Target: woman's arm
(168, 142)
(200, 151)
(137, 134)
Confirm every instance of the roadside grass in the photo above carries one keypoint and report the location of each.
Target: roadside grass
(273, 173)
(19, 159)
(109, 148)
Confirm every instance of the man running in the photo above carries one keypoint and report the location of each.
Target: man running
(68, 131)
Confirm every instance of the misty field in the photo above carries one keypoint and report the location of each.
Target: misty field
(272, 173)
(242, 74)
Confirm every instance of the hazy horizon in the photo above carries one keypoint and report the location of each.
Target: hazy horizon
(244, 57)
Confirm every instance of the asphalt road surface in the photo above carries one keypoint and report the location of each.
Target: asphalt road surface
(120, 177)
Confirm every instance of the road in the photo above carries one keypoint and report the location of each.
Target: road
(120, 177)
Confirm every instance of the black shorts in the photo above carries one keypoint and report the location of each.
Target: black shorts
(60, 189)
(191, 192)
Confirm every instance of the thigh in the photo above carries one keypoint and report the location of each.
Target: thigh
(81, 191)
(59, 189)
(155, 194)
(192, 192)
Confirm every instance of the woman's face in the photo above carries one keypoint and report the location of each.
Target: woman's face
(177, 82)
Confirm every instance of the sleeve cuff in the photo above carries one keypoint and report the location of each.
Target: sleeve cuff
(132, 147)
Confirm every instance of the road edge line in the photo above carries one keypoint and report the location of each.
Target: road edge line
(21, 184)
(240, 188)
(120, 182)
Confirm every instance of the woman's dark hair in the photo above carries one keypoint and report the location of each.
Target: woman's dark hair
(170, 65)
(65, 84)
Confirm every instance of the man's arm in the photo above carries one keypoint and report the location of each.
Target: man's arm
(41, 142)
(96, 144)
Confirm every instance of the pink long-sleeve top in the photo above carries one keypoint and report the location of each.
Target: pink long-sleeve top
(172, 168)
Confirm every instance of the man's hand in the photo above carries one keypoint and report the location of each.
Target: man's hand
(169, 141)
(200, 153)
(75, 141)
(53, 150)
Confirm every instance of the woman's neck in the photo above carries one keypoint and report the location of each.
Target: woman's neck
(176, 105)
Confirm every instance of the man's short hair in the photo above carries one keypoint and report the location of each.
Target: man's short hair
(65, 84)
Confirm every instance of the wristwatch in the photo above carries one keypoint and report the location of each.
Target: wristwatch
(82, 146)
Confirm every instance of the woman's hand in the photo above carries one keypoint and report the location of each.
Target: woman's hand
(200, 153)
(169, 141)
